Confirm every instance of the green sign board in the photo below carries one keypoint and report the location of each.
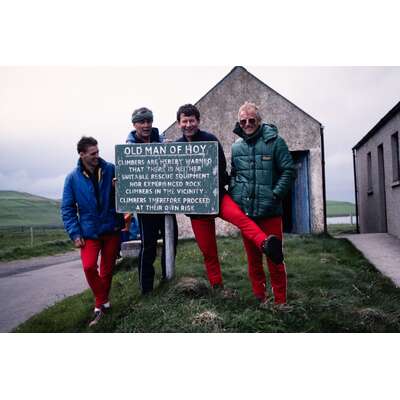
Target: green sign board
(167, 178)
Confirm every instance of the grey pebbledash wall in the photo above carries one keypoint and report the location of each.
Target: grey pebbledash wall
(373, 215)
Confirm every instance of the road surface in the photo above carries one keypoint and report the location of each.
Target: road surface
(29, 286)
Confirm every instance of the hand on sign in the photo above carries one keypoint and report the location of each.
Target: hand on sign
(114, 181)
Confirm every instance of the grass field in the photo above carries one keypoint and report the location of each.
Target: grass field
(21, 211)
(332, 288)
(23, 214)
(339, 208)
(18, 209)
(16, 243)
(341, 229)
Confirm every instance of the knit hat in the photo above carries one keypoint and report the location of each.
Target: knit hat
(141, 114)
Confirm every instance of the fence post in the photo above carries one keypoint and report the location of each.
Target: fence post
(31, 236)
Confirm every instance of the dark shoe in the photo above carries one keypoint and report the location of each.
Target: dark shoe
(98, 315)
(272, 248)
(106, 308)
(266, 303)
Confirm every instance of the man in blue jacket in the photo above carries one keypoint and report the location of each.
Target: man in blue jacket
(151, 226)
(89, 216)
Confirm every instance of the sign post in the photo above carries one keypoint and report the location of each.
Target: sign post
(167, 178)
(169, 247)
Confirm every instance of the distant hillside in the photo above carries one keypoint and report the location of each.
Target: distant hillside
(340, 208)
(17, 208)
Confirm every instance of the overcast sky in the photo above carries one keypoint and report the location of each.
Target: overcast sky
(45, 110)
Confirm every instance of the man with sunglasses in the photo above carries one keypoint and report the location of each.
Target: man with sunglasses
(89, 216)
(188, 118)
(261, 176)
(151, 226)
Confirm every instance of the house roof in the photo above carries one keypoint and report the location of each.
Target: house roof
(270, 88)
(259, 80)
(379, 125)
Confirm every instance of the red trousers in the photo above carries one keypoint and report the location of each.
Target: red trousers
(99, 279)
(277, 272)
(204, 233)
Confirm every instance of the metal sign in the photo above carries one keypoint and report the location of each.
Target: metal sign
(167, 178)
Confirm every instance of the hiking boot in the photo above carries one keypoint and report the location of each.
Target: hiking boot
(266, 302)
(272, 248)
(98, 315)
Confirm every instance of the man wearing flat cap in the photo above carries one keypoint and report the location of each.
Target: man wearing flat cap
(151, 226)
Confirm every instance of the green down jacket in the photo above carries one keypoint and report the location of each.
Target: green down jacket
(262, 172)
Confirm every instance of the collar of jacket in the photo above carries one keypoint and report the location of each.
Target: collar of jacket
(268, 132)
(154, 136)
(195, 136)
(99, 170)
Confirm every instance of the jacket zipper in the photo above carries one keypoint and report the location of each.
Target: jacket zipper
(254, 180)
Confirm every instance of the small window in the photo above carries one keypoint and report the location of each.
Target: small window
(395, 157)
(369, 172)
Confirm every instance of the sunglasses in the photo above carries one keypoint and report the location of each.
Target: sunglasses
(142, 121)
(250, 121)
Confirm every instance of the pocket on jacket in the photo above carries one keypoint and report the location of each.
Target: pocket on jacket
(264, 192)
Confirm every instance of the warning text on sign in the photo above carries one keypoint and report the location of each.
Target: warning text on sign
(168, 178)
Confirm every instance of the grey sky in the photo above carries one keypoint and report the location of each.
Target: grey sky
(44, 111)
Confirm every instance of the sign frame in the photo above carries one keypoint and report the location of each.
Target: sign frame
(187, 172)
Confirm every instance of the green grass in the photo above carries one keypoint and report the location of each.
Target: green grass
(341, 229)
(24, 209)
(15, 243)
(19, 212)
(332, 288)
(339, 208)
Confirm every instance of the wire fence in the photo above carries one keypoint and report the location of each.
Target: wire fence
(14, 236)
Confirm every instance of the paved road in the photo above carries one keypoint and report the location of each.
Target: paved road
(29, 286)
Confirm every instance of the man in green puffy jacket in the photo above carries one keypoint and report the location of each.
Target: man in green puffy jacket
(262, 174)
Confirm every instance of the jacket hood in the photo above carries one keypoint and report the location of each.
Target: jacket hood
(268, 131)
